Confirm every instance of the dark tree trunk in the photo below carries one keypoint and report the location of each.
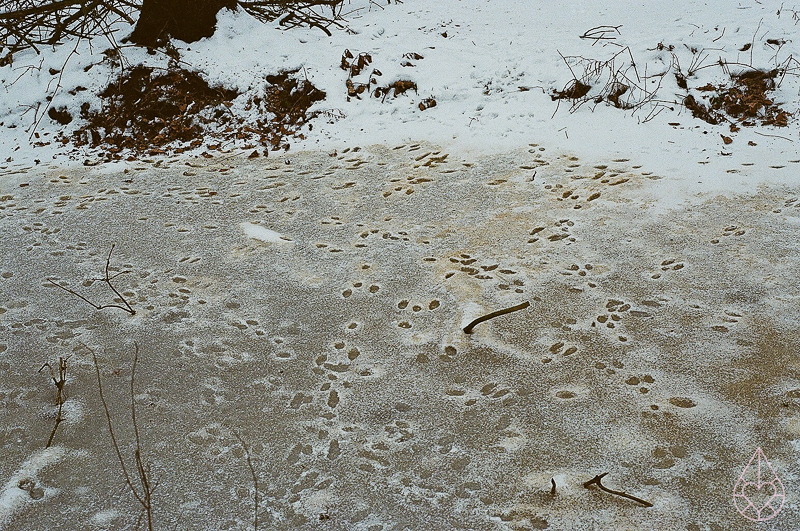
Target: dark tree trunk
(187, 20)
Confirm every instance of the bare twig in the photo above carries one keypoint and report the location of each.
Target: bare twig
(61, 396)
(601, 33)
(598, 33)
(596, 481)
(255, 478)
(107, 279)
(789, 66)
(140, 468)
(753, 41)
(145, 496)
(774, 136)
(479, 320)
(655, 111)
(697, 60)
(567, 63)
(52, 95)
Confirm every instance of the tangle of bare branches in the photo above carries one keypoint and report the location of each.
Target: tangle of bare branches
(28, 24)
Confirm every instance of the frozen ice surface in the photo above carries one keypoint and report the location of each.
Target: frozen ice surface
(659, 346)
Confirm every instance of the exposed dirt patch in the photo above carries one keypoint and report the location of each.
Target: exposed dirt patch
(398, 87)
(285, 108)
(746, 100)
(355, 66)
(143, 111)
(699, 110)
(149, 112)
(573, 91)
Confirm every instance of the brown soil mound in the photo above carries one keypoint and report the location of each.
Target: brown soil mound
(148, 112)
(746, 100)
(145, 112)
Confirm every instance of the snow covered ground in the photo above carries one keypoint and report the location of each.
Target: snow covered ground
(313, 301)
(476, 58)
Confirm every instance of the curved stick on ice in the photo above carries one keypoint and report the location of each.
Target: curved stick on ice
(596, 481)
(479, 320)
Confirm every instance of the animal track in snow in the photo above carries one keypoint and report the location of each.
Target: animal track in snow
(359, 287)
(729, 319)
(584, 272)
(482, 270)
(730, 230)
(790, 206)
(670, 264)
(558, 232)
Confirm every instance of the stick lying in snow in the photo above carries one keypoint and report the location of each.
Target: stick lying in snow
(596, 481)
(479, 320)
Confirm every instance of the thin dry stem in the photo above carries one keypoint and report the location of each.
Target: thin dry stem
(143, 497)
(255, 478)
(61, 396)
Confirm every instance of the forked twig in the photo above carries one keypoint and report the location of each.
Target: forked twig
(596, 481)
(61, 397)
(107, 279)
(479, 320)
